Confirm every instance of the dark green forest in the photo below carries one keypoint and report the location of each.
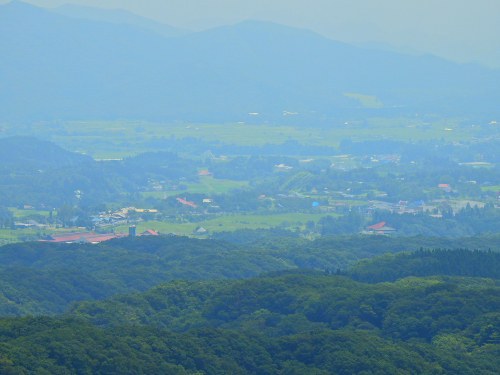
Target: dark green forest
(463, 262)
(174, 305)
(294, 322)
(45, 278)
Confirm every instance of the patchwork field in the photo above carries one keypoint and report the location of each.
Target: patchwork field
(118, 139)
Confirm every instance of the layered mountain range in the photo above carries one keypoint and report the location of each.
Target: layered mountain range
(76, 63)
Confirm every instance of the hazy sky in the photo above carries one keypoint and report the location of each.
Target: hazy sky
(463, 30)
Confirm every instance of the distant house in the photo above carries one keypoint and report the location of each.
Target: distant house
(82, 237)
(445, 187)
(283, 167)
(204, 172)
(150, 232)
(145, 210)
(200, 231)
(380, 228)
(20, 225)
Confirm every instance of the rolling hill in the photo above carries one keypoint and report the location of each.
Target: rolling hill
(29, 152)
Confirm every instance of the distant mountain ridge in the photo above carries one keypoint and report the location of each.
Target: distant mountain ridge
(59, 67)
(117, 16)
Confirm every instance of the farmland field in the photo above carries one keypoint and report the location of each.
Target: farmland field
(118, 139)
(206, 185)
(22, 213)
(493, 188)
(229, 223)
(31, 234)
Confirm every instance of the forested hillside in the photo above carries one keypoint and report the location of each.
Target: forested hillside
(391, 267)
(42, 174)
(281, 324)
(45, 278)
(297, 302)
(54, 275)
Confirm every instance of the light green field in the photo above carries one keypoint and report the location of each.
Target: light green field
(206, 185)
(230, 223)
(210, 185)
(21, 214)
(20, 235)
(493, 188)
(9, 236)
(117, 139)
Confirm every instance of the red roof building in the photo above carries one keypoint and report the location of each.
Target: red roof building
(380, 228)
(377, 226)
(82, 237)
(186, 202)
(445, 187)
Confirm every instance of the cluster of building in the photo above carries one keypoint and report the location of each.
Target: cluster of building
(120, 216)
(401, 207)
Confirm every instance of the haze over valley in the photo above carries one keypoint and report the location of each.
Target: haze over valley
(249, 188)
